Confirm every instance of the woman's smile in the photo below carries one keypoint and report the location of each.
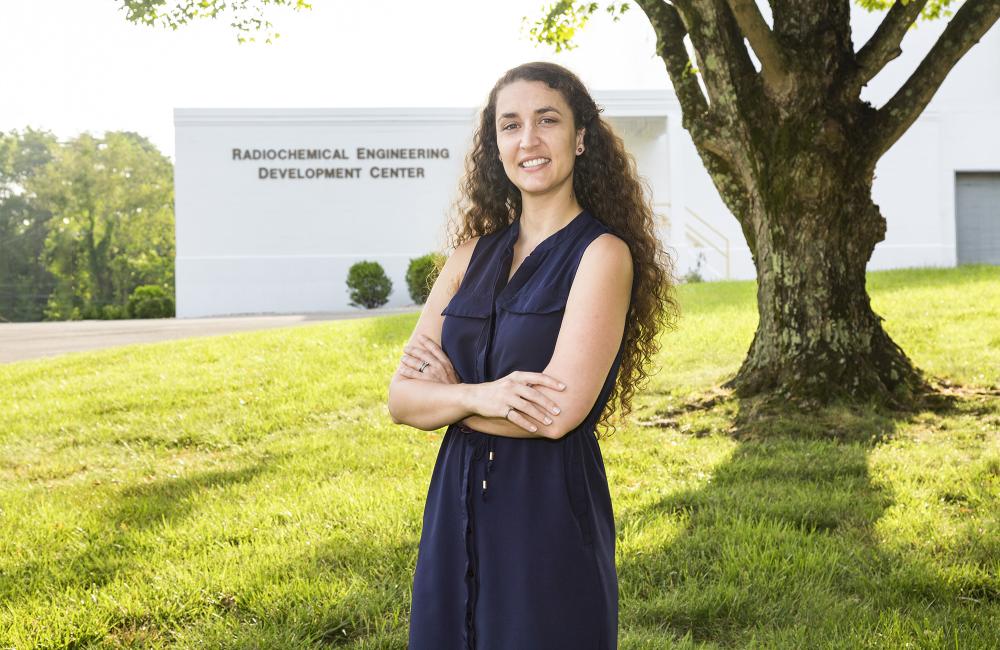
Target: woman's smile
(534, 164)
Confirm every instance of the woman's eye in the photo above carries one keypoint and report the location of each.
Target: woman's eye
(544, 119)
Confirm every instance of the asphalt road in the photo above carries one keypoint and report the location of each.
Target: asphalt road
(20, 341)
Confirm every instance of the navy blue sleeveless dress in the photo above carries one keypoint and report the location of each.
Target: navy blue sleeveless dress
(517, 550)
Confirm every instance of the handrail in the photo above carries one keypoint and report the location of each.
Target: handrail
(698, 237)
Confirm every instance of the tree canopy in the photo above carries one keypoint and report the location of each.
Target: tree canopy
(247, 17)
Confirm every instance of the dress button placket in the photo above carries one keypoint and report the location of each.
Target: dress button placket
(477, 453)
(470, 574)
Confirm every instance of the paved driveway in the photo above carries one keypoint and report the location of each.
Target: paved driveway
(20, 341)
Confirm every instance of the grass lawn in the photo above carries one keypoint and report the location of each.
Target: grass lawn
(250, 491)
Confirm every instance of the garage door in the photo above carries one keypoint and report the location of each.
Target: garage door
(977, 217)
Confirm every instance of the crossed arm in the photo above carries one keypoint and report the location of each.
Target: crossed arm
(591, 332)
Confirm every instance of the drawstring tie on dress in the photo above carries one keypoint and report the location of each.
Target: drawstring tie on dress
(491, 454)
(491, 443)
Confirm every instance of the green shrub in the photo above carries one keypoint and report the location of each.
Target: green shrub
(113, 312)
(421, 274)
(367, 284)
(694, 275)
(150, 301)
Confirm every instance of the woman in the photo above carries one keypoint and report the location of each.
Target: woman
(538, 324)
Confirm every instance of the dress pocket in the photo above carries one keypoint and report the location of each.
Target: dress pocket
(539, 301)
(528, 326)
(468, 305)
(463, 332)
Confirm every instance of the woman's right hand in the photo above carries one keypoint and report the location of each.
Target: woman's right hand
(494, 398)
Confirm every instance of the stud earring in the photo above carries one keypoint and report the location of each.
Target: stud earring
(579, 149)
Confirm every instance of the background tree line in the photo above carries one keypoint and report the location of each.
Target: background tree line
(83, 224)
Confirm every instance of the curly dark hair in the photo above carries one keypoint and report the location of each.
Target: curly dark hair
(607, 184)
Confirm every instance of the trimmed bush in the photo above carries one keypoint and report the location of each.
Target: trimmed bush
(113, 312)
(421, 274)
(150, 301)
(367, 285)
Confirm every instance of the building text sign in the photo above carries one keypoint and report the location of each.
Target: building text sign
(346, 170)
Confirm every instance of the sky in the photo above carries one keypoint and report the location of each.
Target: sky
(70, 66)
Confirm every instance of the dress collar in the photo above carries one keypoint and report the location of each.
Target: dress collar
(552, 240)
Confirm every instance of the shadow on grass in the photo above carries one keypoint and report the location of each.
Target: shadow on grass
(349, 592)
(764, 524)
(112, 542)
(781, 548)
(374, 613)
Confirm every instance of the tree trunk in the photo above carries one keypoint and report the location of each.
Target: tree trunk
(818, 339)
(97, 261)
(792, 148)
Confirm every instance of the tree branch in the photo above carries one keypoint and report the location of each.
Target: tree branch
(971, 21)
(883, 46)
(733, 192)
(723, 60)
(772, 57)
(670, 32)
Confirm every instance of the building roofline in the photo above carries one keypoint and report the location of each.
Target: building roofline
(616, 103)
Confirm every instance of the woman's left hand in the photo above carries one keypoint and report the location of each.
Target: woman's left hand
(438, 366)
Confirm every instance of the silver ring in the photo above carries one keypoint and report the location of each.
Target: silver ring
(508, 412)
(424, 365)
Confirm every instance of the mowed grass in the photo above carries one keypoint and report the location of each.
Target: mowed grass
(250, 491)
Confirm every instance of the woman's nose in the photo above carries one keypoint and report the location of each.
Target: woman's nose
(529, 137)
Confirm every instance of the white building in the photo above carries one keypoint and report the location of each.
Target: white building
(260, 230)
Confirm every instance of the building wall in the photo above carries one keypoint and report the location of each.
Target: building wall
(251, 245)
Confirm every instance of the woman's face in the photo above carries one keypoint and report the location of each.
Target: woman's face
(534, 123)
